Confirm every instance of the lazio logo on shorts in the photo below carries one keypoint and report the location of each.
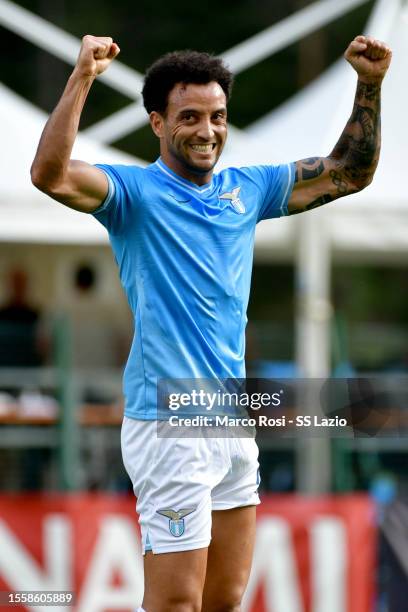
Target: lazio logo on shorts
(176, 519)
(236, 203)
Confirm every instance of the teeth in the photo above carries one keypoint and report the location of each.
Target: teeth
(202, 148)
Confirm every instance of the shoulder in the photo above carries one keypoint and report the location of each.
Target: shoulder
(258, 177)
(244, 172)
(123, 172)
(244, 176)
(130, 180)
(251, 173)
(271, 185)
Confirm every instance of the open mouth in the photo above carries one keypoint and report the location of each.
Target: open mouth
(203, 148)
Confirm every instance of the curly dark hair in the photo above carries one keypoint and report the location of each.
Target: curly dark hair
(182, 67)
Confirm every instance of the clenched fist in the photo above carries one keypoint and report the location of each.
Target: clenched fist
(95, 55)
(369, 57)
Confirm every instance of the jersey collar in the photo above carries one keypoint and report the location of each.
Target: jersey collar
(182, 181)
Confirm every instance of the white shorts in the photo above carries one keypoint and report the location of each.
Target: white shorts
(178, 482)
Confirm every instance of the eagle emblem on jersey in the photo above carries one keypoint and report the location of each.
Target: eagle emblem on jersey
(176, 519)
(233, 196)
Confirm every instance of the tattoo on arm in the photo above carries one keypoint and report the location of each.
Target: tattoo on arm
(369, 91)
(325, 199)
(355, 156)
(312, 168)
(359, 146)
(340, 183)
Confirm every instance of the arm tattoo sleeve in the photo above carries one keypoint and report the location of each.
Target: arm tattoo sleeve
(358, 149)
(355, 157)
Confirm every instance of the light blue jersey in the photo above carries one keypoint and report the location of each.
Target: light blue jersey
(185, 259)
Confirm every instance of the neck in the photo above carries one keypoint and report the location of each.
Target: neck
(193, 175)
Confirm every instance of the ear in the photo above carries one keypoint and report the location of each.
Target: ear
(156, 121)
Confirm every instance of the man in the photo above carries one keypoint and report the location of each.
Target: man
(183, 239)
(20, 344)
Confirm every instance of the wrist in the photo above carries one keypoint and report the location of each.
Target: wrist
(78, 75)
(367, 80)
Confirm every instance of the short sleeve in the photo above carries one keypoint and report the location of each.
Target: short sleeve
(124, 191)
(276, 185)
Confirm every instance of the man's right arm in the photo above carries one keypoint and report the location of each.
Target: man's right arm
(74, 183)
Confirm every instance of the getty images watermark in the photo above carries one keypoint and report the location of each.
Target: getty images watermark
(220, 401)
(353, 407)
(209, 400)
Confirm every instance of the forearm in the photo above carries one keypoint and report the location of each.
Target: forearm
(358, 149)
(351, 165)
(53, 155)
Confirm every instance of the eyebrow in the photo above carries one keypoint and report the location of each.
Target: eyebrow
(184, 111)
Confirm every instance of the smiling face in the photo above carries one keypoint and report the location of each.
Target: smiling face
(193, 130)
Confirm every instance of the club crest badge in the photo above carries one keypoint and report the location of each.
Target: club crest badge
(236, 203)
(176, 519)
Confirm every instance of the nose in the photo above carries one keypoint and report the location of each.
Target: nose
(205, 129)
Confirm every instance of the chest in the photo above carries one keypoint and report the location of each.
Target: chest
(220, 217)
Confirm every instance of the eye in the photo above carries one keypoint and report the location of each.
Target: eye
(188, 117)
(219, 116)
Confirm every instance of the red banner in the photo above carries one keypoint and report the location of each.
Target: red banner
(311, 554)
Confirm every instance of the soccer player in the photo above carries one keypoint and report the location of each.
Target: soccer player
(183, 239)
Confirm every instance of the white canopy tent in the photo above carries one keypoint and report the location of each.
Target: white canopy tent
(26, 214)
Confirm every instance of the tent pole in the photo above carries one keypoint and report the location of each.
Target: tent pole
(313, 470)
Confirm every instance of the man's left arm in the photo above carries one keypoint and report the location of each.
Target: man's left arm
(351, 165)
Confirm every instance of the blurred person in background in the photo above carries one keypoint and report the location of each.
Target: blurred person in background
(21, 344)
(183, 239)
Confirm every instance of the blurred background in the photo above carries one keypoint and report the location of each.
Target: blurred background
(329, 289)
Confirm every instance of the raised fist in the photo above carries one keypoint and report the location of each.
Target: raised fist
(96, 54)
(369, 57)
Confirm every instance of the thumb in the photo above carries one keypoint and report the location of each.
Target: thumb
(113, 51)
